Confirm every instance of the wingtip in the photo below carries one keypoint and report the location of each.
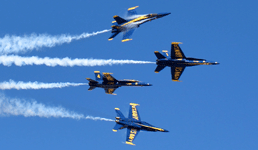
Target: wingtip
(134, 104)
(110, 39)
(107, 73)
(130, 143)
(117, 109)
(176, 43)
(133, 8)
(156, 71)
(96, 71)
(176, 80)
(156, 51)
(114, 130)
(125, 40)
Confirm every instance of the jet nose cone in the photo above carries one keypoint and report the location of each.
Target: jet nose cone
(166, 131)
(163, 14)
(144, 84)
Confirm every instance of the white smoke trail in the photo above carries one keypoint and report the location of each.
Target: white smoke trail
(35, 85)
(17, 44)
(17, 107)
(34, 60)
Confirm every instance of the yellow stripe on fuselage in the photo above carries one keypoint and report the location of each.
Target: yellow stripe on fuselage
(151, 127)
(135, 20)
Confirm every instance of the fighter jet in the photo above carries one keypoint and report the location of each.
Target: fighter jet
(131, 22)
(133, 124)
(110, 84)
(177, 61)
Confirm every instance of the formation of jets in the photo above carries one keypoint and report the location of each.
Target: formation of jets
(177, 61)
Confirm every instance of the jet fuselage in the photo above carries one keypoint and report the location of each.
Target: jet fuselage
(119, 83)
(136, 21)
(183, 62)
(141, 125)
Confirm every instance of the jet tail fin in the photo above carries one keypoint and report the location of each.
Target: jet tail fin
(119, 20)
(159, 55)
(119, 113)
(165, 53)
(91, 88)
(98, 76)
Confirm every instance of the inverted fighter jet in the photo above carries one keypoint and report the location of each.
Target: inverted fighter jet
(177, 61)
(133, 124)
(132, 21)
(110, 84)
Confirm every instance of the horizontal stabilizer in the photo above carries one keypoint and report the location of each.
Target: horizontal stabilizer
(113, 35)
(92, 81)
(158, 55)
(159, 68)
(118, 127)
(119, 20)
(91, 88)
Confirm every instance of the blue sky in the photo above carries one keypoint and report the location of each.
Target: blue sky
(215, 107)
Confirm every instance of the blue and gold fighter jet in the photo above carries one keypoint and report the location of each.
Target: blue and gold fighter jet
(110, 84)
(177, 61)
(133, 124)
(132, 21)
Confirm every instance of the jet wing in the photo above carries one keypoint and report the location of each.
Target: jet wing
(108, 78)
(131, 134)
(127, 34)
(176, 52)
(176, 72)
(133, 112)
(110, 91)
(131, 11)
